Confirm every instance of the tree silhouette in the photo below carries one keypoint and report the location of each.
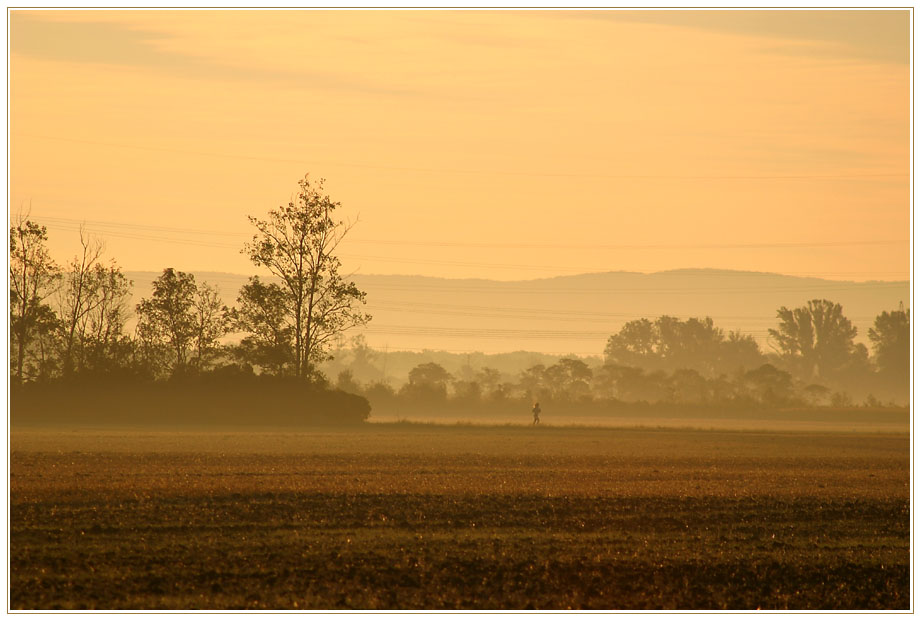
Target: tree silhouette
(92, 305)
(670, 343)
(634, 345)
(688, 386)
(568, 379)
(185, 318)
(33, 278)
(296, 243)
(692, 344)
(346, 381)
(768, 385)
(490, 381)
(816, 339)
(427, 382)
(363, 358)
(890, 339)
(429, 374)
(738, 352)
(262, 312)
(532, 382)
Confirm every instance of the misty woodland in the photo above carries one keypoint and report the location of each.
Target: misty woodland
(190, 454)
(70, 331)
(596, 309)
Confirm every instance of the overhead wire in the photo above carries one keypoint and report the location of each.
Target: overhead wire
(136, 231)
(108, 224)
(515, 287)
(115, 229)
(148, 232)
(506, 173)
(497, 333)
(546, 315)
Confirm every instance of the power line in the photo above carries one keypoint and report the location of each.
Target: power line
(544, 315)
(113, 229)
(531, 289)
(108, 225)
(636, 246)
(211, 154)
(139, 236)
(127, 225)
(503, 288)
(596, 354)
(498, 333)
(485, 333)
(565, 312)
(491, 265)
(835, 176)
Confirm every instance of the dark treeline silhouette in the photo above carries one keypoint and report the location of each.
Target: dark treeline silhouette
(669, 363)
(224, 396)
(73, 359)
(71, 351)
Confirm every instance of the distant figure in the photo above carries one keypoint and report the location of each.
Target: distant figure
(536, 411)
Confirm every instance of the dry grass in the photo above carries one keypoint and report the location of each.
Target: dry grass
(433, 517)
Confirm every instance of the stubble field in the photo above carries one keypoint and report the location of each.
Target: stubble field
(400, 516)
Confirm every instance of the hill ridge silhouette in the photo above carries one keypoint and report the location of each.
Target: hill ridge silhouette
(577, 313)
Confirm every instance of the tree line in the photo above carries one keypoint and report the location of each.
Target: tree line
(71, 320)
(814, 361)
(68, 324)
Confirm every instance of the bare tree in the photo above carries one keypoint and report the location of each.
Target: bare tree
(78, 298)
(105, 342)
(212, 322)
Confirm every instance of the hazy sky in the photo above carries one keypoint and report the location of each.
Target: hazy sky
(494, 144)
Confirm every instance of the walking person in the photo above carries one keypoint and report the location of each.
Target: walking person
(536, 411)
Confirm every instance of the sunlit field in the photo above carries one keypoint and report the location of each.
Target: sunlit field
(410, 516)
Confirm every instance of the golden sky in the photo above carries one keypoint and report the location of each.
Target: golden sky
(484, 144)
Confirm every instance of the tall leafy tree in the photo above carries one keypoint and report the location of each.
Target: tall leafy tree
(670, 343)
(636, 344)
(427, 381)
(767, 384)
(633, 385)
(297, 243)
(182, 317)
(816, 339)
(568, 379)
(738, 352)
(363, 359)
(605, 381)
(688, 386)
(692, 344)
(891, 342)
(34, 276)
(262, 312)
(532, 381)
(490, 381)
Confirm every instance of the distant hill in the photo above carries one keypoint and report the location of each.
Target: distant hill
(577, 314)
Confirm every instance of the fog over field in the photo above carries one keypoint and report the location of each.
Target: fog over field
(439, 310)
